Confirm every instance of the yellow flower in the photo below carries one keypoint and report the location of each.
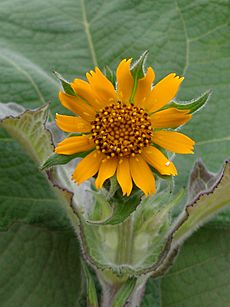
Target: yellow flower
(122, 134)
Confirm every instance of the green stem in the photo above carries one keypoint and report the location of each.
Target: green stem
(125, 242)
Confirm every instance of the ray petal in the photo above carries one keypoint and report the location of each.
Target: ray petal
(124, 177)
(174, 141)
(74, 144)
(144, 88)
(142, 175)
(157, 159)
(84, 90)
(88, 166)
(124, 81)
(77, 106)
(72, 123)
(163, 92)
(107, 169)
(170, 118)
(101, 86)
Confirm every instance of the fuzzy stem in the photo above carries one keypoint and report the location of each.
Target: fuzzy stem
(125, 242)
(109, 290)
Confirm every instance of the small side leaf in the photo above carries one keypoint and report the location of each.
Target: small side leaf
(65, 84)
(29, 131)
(138, 71)
(110, 74)
(193, 105)
(56, 159)
(92, 300)
(204, 205)
(124, 292)
(121, 209)
(200, 180)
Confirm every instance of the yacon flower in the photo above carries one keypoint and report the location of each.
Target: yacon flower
(121, 127)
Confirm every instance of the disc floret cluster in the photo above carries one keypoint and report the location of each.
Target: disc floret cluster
(121, 130)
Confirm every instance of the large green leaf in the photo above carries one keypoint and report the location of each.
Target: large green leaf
(208, 193)
(39, 253)
(200, 276)
(25, 193)
(39, 267)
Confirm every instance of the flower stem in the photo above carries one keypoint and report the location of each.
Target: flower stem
(125, 242)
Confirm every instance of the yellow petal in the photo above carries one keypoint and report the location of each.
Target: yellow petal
(101, 86)
(72, 123)
(174, 141)
(84, 90)
(142, 175)
(170, 118)
(144, 86)
(107, 169)
(155, 157)
(163, 92)
(124, 176)
(77, 106)
(124, 81)
(88, 166)
(74, 144)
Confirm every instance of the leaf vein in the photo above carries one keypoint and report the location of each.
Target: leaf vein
(88, 33)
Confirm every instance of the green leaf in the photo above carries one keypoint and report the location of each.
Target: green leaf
(138, 67)
(39, 267)
(121, 207)
(92, 300)
(124, 292)
(24, 143)
(30, 133)
(110, 74)
(152, 294)
(200, 276)
(194, 105)
(135, 246)
(200, 180)
(138, 71)
(65, 84)
(40, 247)
(57, 159)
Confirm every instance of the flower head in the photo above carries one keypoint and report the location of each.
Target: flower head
(123, 127)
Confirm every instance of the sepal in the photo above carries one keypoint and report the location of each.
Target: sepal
(57, 159)
(194, 105)
(120, 207)
(110, 75)
(138, 71)
(65, 84)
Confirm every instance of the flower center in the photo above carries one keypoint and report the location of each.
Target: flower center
(121, 130)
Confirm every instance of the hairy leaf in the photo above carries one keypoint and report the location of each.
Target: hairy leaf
(39, 267)
(194, 105)
(36, 238)
(65, 84)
